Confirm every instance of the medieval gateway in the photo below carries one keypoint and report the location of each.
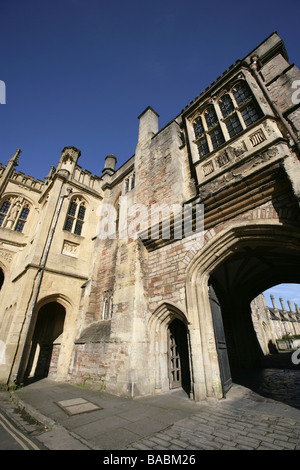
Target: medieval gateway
(92, 292)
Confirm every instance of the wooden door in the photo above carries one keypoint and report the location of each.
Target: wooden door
(174, 360)
(220, 341)
(178, 356)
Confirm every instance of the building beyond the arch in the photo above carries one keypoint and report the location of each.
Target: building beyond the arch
(139, 280)
(277, 327)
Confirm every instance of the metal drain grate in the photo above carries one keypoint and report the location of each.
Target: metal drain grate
(77, 406)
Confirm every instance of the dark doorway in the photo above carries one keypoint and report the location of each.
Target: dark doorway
(1, 278)
(236, 282)
(43, 355)
(178, 356)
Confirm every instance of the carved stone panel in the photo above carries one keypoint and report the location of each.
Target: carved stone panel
(70, 249)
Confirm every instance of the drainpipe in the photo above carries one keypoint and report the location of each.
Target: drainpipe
(276, 110)
(41, 273)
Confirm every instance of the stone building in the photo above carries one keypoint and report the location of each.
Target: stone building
(91, 289)
(276, 328)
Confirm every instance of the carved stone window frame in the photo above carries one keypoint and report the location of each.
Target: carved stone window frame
(223, 125)
(76, 216)
(15, 216)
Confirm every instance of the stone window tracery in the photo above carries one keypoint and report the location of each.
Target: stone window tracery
(14, 212)
(75, 216)
(225, 118)
(3, 211)
(22, 219)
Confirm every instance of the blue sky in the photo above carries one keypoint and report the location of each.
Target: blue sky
(289, 292)
(79, 72)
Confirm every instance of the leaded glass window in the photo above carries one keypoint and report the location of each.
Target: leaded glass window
(226, 105)
(211, 117)
(69, 224)
(78, 227)
(81, 212)
(233, 125)
(22, 219)
(232, 114)
(3, 211)
(75, 217)
(198, 128)
(241, 94)
(250, 114)
(16, 211)
(217, 138)
(72, 209)
(203, 148)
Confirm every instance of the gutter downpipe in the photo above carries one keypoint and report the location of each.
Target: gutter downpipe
(253, 67)
(42, 270)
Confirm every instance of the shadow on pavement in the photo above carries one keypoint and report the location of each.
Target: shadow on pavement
(277, 379)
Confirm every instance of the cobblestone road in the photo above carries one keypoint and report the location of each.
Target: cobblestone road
(263, 413)
(227, 426)
(267, 424)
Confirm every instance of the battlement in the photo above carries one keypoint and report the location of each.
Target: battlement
(86, 178)
(28, 181)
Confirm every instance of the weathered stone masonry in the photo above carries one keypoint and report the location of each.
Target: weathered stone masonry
(146, 314)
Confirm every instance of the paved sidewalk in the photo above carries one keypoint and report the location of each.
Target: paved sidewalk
(244, 420)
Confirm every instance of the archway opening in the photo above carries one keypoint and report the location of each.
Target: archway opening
(170, 350)
(1, 278)
(246, 273)
(276, 319)
(45, 344)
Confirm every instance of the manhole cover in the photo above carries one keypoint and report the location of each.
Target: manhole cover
(77, 406)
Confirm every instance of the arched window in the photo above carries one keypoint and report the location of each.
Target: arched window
(223, 120)
(232, 121)
(3, 211)
(75, 217)
(198, 127)
(246, 105)
(211, 117)
(241, 93)
(199, 131)
(226, 105)
(14, 212)
(22, 219)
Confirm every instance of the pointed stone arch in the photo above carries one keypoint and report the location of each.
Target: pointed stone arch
(160, 326)
(270, 236)
(63, 307)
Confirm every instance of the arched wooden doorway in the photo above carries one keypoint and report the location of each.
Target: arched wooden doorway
(225, 276)
(45, 345)
(170, 349)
